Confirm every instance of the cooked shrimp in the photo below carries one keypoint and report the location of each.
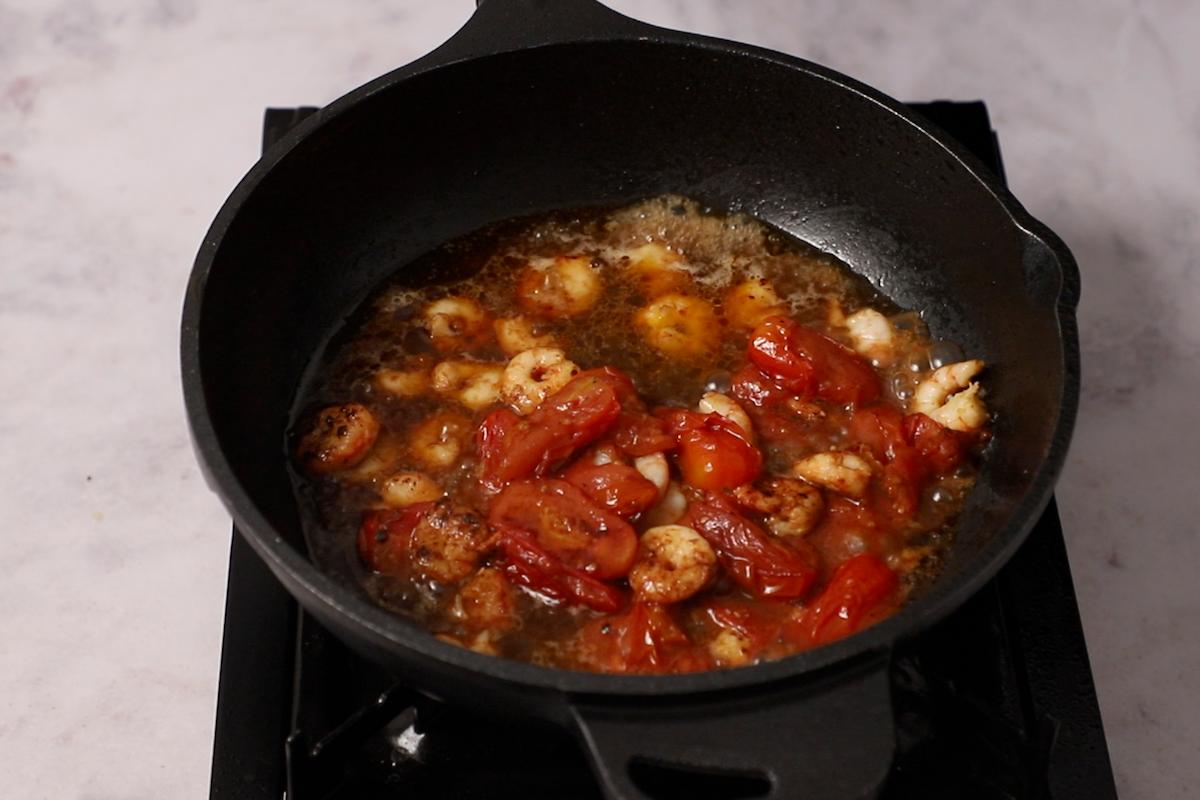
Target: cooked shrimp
(567, 287)
(871, 335)
(679, 325)
(657, 270)
(472, 383)
(456, 324)
(655, 469)
(843, 472)
(403, 382)
(727, 407)
(438, 441)
(673, 563)
(517, 334)
(340, 437)
(964, 411)
(408, 488)
(950, 398)
(750, 302)
(534, 375)
(729, 648)
(668, 510)
(383, 459)
(486, 601)
(447, 543)
(792, 507)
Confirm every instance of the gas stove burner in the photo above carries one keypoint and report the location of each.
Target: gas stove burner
(994, 703)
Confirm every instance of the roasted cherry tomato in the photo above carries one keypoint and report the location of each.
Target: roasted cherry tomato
(527, 564)
(512, 447)
(765, 565)
(566, 523)
(880, 428)
(713, 453)
(861, 591)
(618, 487)
(385, 535)
(941, 447)
(640, 434)
(753, 387)
(812, 363)
(644, 639)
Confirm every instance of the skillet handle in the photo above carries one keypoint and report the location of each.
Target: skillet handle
(829, 739)
(500, 26)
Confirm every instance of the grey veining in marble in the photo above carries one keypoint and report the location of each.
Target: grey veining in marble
(124, 124)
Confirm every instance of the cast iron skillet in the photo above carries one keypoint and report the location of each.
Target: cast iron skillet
(543, 104)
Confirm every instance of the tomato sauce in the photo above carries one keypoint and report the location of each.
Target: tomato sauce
(650, 439)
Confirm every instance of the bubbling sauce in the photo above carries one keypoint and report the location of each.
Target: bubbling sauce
(703, 546)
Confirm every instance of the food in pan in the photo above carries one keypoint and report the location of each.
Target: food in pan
(655, 439)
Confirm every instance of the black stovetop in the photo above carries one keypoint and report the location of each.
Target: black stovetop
(995, 702)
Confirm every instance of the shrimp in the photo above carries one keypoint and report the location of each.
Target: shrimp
(486, 602)
(871, 335)
(403, 382)
(792, 507)
(673, 563)
(679, 325)
(340, 437)
(456, 324)
(655, 469)
(844, 472)
(668, 510)
(438, 441)
(447, 543)
(408, 488)
(474, 384)
(730, 649)
(567, 287)
(727, 407)
(534, 375)
(657, 270)
(518, 334)
(750, 302)
(950, 398)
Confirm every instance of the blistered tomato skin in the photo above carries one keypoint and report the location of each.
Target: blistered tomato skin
(758, 562)
(512, 447)
(812, 363)
(712, 453)
(861, 591)
(568, 525)
(385, 537)
(528, 564)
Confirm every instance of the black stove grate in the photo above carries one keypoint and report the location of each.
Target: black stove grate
(995, 703)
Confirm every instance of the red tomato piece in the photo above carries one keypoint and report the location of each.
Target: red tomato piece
(881, 428)
(639, 434)
(861, 591)
(512, 447)
(566, 523)
(752, 386)
(644, 639)
(848, 529)
(713, 453)
(941, 447)
(385, 535)
(813, 362)
(760, 563)
(617, 487)
(757, 621)
(527, 564)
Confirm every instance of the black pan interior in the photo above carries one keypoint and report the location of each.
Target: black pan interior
(446, 152)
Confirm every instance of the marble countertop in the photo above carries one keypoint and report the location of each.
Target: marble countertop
(124, 124)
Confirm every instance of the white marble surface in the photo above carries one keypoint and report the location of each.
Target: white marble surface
(124, 124)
